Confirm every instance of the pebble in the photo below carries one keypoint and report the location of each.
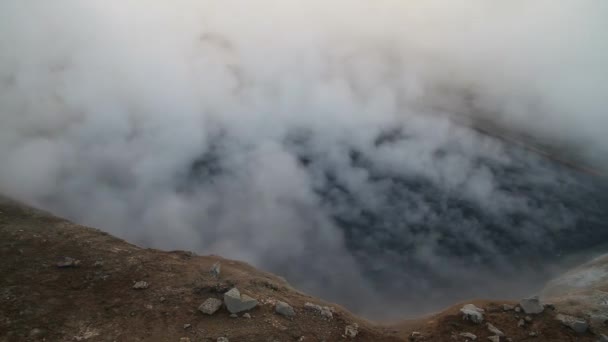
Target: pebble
(141, 285)
(469, 336)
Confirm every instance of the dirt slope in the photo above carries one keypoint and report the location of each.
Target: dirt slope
(95, 300)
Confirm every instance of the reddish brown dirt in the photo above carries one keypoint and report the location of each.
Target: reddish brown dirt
(95, 301)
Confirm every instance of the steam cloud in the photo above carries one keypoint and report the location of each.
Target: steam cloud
(316, 139)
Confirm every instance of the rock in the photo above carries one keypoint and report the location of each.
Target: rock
(521, 323)
(494, 330)
(247, 315)
(210, 306)
(469, 336)
(531, 305)
(223, 339)
(235, 302)
(351, 330)
(187, 326)
(37, 333)
(507, 307)
(494, 338)
(577, 324)
(528, 319)
(472, 313)
(68, 262)
(215, 270)
(323, 311)
(284, 309)
(141, 285)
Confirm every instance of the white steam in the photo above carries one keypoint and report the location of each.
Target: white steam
(213, 125)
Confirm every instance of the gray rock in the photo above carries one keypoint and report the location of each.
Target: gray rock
(469, 336)
(323, 311)
(215, 270)
(284, 309)
(68, 262)
(210, 306)
(141, 285)
(507, 307)
(472, 313)
(235, 302)
(351, 330)
(577, 324)
(531, 305)
(37, 333)
(494, 330)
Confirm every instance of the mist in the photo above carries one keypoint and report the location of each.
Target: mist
(330, 142)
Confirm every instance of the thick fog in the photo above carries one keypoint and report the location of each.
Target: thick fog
(326, 141)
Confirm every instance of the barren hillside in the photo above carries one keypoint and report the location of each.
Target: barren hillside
(65, 282)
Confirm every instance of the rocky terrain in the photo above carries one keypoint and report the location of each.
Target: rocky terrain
(65, 282)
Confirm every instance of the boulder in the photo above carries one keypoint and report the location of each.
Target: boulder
(577, 324)
(235, 302)
(472, 313)
(284, 309)
(531, 305)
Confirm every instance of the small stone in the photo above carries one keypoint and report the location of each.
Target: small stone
(574, 323)
(284, 309)
(531, 305)
(468, 336)
(415, 336)
(528, 319)
(36, 333)
(472, 313)
(323, 311)
(507, 307)
(521, 323)
(210, 306)
(494, 338)
(68, 262)
(141, 285)
(187, 326)
(247, 315)
(235, 302)
(494, 330)
(215, 270)
(351, 330)
(223, 339)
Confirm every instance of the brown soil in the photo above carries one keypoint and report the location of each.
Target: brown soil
(95, 301)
